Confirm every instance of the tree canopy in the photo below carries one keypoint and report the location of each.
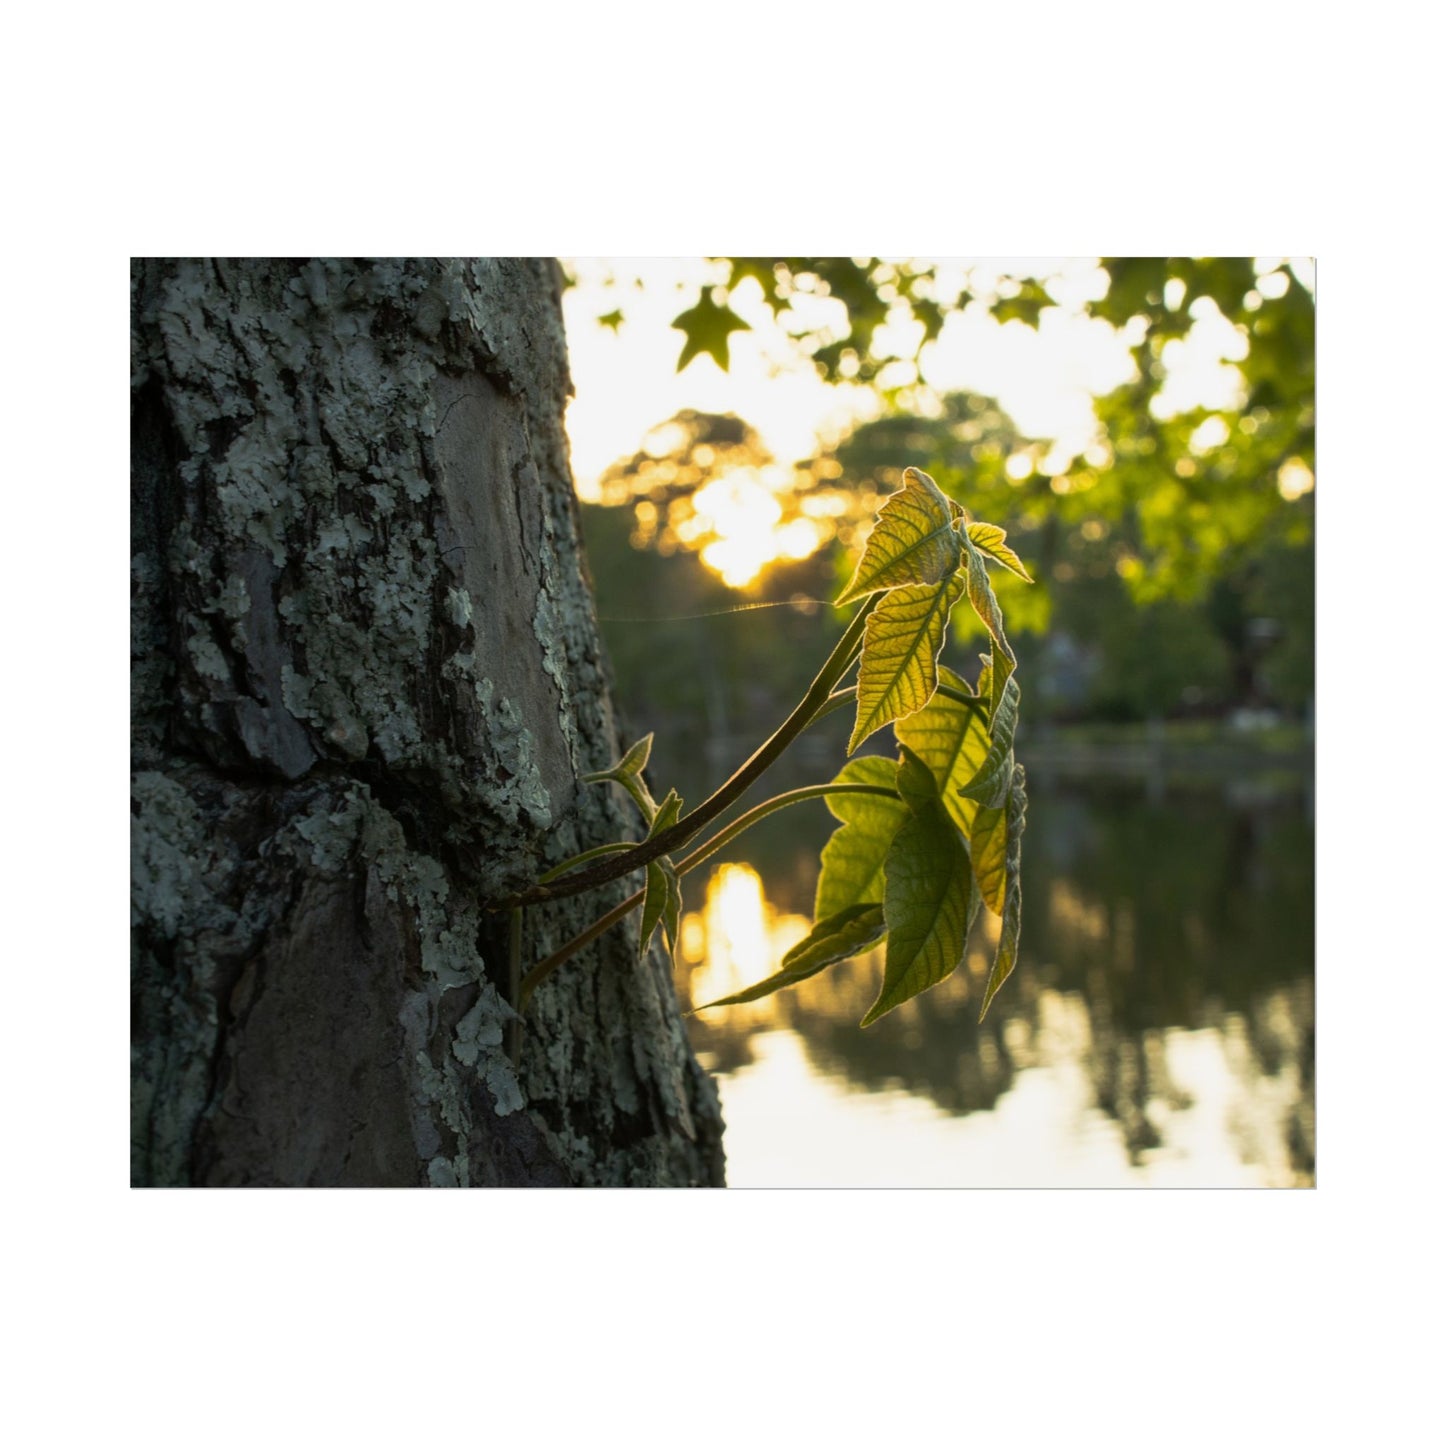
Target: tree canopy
(1191, 491)
(1202, 516)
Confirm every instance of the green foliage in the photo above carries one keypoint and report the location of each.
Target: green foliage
(1156, 655)
(1168, 502)
(951, 736)
(1025, 304)
(929, 898)
(925, 839)
(947, 837)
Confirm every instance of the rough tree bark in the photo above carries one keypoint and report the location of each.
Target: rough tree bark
(366, 677)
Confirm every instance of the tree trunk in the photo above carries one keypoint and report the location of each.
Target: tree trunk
(366, 677)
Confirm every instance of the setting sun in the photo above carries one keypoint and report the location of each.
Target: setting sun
(744, 516)
(738, 935)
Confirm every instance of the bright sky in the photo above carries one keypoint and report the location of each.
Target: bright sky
(627, 382)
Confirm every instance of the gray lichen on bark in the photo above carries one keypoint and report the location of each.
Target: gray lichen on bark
(366, 678)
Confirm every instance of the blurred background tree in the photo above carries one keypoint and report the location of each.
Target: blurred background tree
(1173, 553)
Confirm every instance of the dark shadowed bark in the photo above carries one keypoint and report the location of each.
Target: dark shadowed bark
(366, 677)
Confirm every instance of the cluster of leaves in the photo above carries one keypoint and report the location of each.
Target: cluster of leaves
(941, 834)
(933, 834)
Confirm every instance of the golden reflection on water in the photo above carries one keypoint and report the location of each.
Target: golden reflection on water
(737, 940)
(1052, 1091)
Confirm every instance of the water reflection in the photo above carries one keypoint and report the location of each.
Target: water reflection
(1159, 1027)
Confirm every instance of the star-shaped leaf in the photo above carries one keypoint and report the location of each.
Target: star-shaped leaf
(707, 327)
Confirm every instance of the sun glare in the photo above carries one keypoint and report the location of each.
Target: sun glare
(738, 936)
(1295, 479)
(746, 518)
(742, 513)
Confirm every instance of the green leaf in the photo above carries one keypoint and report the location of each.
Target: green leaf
(661, 903)
(912, 541)
(980, 591)
(852, 861)
(1001, 669)
(612, 320)
(898, 671)
(1025, 306)
(990, 541)
(662, 895)
(990, 784)
(928, 899)
(1013, 902)
(951, 738)
(707, 327)
(980, 596)
(988, 848)
(627, 771)
(846, 933)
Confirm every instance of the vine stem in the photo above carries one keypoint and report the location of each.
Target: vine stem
(576, 862)
(819, 697)
(699, 855)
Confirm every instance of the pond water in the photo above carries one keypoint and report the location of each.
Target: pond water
(1158, 1029)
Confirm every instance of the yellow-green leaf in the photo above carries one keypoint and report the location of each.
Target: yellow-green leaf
(661, 903)
(990, 784)
(1012, 916)
(913, 541)
(951, 737)
(852, 863)
(898, 671)
(627, 772)
(929, 898)
(662, 893)
(989, 540)
(845, 934)
(980, 594)
(1000, 669)
(988, 847)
